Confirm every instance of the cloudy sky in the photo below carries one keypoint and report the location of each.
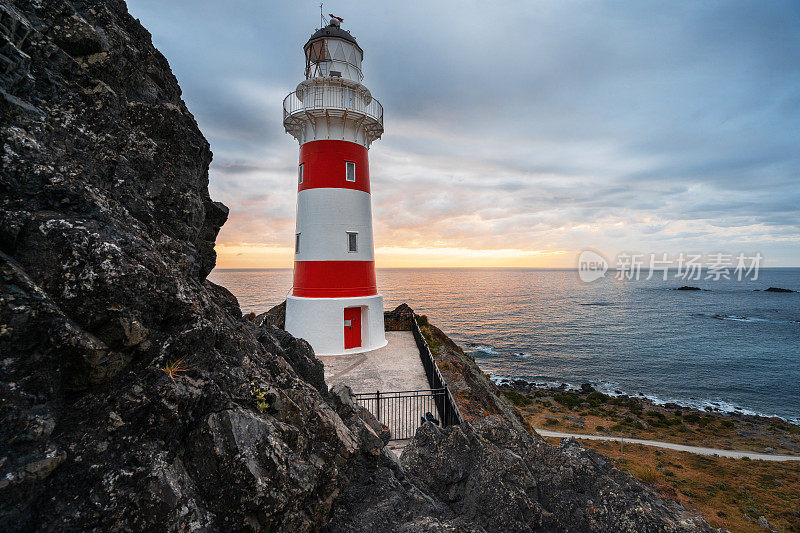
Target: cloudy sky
(517, 133)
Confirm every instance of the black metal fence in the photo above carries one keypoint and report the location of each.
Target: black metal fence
(446, 405)
(403, 411)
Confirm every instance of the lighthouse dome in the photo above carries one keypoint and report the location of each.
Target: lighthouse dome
(332, 52)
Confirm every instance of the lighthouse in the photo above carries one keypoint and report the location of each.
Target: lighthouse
(334, 303)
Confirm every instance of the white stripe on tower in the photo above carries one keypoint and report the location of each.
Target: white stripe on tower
(325, 217)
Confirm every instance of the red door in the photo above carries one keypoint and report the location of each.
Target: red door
(352, 327)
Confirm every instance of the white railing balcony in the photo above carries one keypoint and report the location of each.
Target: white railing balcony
(323, 99)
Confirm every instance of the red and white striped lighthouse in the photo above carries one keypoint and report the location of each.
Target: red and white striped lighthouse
(334, 304)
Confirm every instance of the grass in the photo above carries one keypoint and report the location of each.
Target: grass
(723, 490)
(175, 367)
(569, 399)
(632, 417)
(729, 493)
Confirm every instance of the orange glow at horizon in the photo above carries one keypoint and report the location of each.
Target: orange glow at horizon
(260, 256)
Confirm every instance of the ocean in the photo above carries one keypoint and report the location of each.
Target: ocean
(733, 347)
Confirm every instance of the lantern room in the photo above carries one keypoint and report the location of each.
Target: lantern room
(332, 52)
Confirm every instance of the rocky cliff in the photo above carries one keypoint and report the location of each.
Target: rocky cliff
(106, 238)
(135, 396)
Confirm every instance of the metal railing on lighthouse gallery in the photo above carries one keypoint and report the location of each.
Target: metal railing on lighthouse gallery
(332, 99)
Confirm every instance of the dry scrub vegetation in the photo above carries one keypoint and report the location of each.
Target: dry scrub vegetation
(729, 493)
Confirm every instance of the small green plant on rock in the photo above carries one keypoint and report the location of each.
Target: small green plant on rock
(259, 396)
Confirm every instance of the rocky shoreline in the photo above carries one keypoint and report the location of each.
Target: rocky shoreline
(531, 387)
(644, 417)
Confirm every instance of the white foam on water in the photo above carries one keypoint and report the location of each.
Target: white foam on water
(484, 349)
(738, 318)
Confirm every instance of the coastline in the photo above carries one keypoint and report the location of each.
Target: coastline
(689, 357)
(586, 410)
(719, 406)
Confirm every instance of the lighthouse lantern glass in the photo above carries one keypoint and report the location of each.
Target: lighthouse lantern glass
(327, 55)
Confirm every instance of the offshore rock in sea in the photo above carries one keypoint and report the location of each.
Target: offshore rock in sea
(106, 237)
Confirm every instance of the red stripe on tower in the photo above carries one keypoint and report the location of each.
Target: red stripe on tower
(324, 165)
(334, 279)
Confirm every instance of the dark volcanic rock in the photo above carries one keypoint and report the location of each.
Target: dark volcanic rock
(106, 237)
(274, 317)
(777, 289)
(688, 288)
(399, 319)
(504, 480)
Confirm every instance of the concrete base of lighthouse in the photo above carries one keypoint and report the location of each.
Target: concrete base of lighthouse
(321, 322)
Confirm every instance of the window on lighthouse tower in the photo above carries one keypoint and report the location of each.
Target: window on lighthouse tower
(300, 174)
(297, 243)
(350, 171)
(352, 241)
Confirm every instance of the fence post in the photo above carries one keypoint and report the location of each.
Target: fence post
(446, 405)
(378, 405)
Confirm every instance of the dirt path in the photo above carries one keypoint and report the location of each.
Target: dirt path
(736, 454)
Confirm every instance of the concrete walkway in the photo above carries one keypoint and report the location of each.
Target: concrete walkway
(394, 367)
(735, 454)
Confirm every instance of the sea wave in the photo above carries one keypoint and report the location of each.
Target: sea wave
(740, 318)
(483, 349)
(491, 350)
